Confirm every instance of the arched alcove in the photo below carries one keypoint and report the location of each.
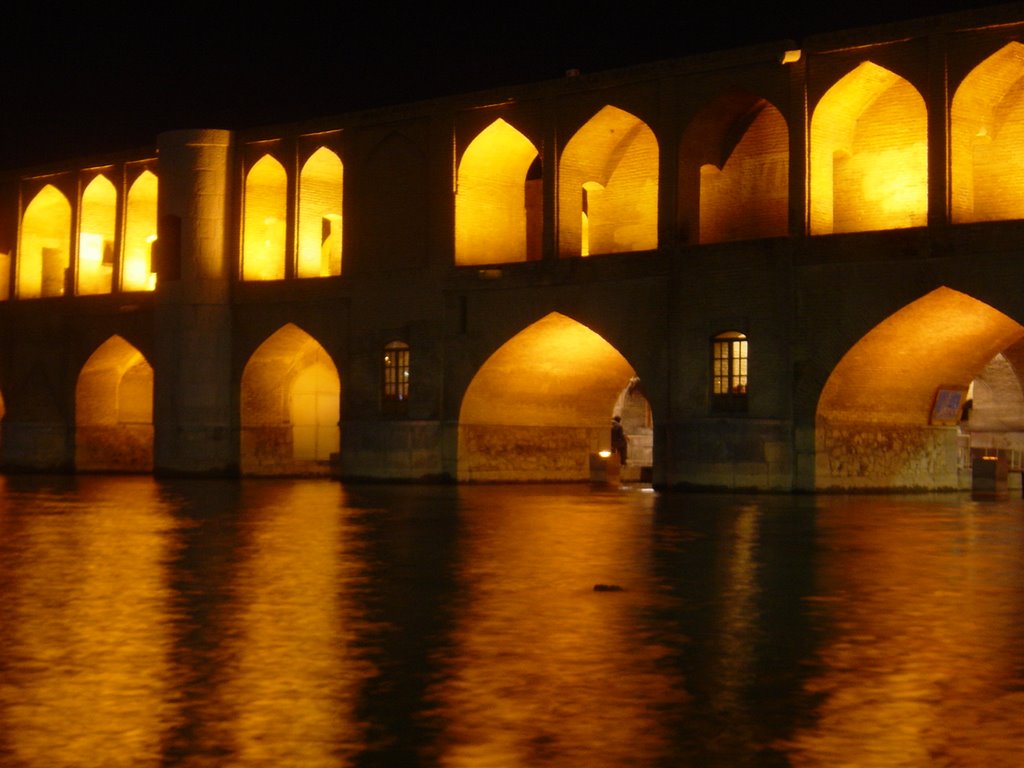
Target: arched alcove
(96, 237)
(744, 184)
(541, 404)
(320, 199)
(497, 203)
(265, 222)
(869, 154)
(45, 246)
(608, 187)
(986, 134)
(876, 424)
(114, 410)
(290, 403)
(140, 231)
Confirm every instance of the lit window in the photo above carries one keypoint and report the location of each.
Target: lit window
(729, 372)
(396, 372)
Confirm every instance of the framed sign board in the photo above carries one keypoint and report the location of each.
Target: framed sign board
(948, 405)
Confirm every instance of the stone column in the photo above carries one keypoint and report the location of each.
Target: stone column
(195, 409)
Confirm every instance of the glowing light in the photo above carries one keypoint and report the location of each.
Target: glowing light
(495, 202)
(604, 454)
(320, 200)
(869, 154)
(96, 239)
(140, 224)
(263, 244)
(45, 245)
(615, 154)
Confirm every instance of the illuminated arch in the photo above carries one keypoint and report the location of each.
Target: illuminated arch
(608, 186)
(320, 197)
(869, 154)
(114, 410)
(744, 191)
(986, 134)
(96, 237)
(873, 424)
(497, 204)
(137, 272)
(290, 404)
(265, 224)
(541, 404)
(45, 247)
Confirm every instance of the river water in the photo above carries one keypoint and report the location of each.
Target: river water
(306, 623)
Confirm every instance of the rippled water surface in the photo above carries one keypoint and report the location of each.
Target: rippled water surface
(305, 623)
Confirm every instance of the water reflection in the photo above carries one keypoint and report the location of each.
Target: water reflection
(211, 623)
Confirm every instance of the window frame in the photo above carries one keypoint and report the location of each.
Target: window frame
(395, 378)
(730, 379)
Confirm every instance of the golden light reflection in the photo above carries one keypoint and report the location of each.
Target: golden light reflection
(45, 245)
(492, 204)
(96, 237)
(320, 200)
(266, 212)
(543, 670)
(290, 406)
(617, 154)
(85, 617)
(139, 235)
(285, 700)
(986, 131)
(911, 651)
(869, 154)
(872, 419)
(114, 410)
(541, 404)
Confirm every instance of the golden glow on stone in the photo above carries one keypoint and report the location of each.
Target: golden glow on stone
(541, 404)
(114, 410)
(320, 198)
(139, 235)
(869, 154)
(96, 237)
(266, 211)
(614, 157)
(43, 253)
(986, 134)
(290, 404)
(491, 205)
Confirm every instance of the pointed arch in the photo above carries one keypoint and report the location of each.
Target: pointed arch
(320, 211)
(265, 222)
(114, 410)
(95, 272)
(744, 186)
(986, 133)
(290, 406)
(874, 417)
(137, 273)
(541, 404)
(45, 245)
(869, 154)
(497, 203)
(608, 186)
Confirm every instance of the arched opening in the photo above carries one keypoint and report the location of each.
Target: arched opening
(608, 187)
(140, 230)
(986, 133)
(265, 223)
(542, 404)
(290, 404)
(744, 179)
(320, 197)
(96, 237)
(879, 420)
(45, 247)
(869, 154)
(497, 201)
(114, 410)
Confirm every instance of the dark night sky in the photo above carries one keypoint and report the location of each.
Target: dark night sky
(72, 84)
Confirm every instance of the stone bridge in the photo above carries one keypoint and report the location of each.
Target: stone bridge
(787, 267)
